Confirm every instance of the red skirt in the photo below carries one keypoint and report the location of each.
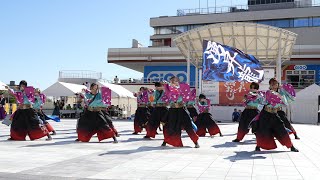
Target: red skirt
(141, 118)
(26, 122)
(178, 119)
(269, 127)
(204, 122)
(91, 123)
(246, 117)
(158, 115)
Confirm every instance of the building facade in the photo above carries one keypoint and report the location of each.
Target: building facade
(163, 58)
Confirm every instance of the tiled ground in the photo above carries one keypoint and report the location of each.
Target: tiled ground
(137, 158)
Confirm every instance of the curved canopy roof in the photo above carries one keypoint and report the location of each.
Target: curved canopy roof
(259, 40)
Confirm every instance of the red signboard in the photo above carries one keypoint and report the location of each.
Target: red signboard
(231, 93)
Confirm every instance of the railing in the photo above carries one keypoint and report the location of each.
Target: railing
(79, 74)
(240, 8)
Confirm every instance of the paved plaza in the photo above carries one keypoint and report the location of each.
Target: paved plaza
(137, 158)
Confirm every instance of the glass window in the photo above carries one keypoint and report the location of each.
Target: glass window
(181, 29)
(316, 21)
(311, 72)
(270, 23)
(167, 30)
(263, 1)
(157, 30)
(285, 23)
(302, 22)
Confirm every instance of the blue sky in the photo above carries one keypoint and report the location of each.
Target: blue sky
(40, 37)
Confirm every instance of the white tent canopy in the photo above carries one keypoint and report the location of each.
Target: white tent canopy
(2, 86)
(305, 107)
(63, 89)
(117, 90)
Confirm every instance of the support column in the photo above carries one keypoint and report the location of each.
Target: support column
(278, 63)
(200, 80)
(196, 78)
(188, 64)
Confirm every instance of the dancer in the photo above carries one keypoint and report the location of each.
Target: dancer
(190, 105)
(39, 100)
(288, 99)
(160, 111)
(252, 100)
(109, 121)
(178, 118)
(269, 124)
(205, 120)
(142, 114)
(25, 120)
(3, 113)
(93, 120)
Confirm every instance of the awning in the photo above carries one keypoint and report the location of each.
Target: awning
(262, 41)
(117, 90)
(63, 89)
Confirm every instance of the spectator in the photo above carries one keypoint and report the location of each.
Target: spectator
(130, 80)
(61, 105)
(239, 115)
(235, 115)
(69, 107)
(2, 105)
(116, 80)
(56, 110)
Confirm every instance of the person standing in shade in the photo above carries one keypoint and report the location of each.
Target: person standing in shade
(2, 104)
(235, 115)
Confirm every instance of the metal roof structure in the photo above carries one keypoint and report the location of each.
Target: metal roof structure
(266, 43)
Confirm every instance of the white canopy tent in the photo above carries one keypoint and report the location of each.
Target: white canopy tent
(117, 90)
(305, 108)
(122, 97)
(2, 86)
(63, 89)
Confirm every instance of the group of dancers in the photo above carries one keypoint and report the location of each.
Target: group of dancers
(267, 125)
(173, 104)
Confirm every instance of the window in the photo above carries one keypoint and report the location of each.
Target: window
(167, 30)
(316, 21)
(302, 22)
(282, 23)
(300, 79)
(181, 29)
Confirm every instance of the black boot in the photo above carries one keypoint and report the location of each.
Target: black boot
(49, 138)
(293, 149)
(115, 140)
(196, 145)
(164, 144)
(221, 135)
(236, 140)
(296, 136)
(54, 133)
(257, 148)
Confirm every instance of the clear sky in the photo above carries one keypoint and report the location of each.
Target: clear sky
(40, 37)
